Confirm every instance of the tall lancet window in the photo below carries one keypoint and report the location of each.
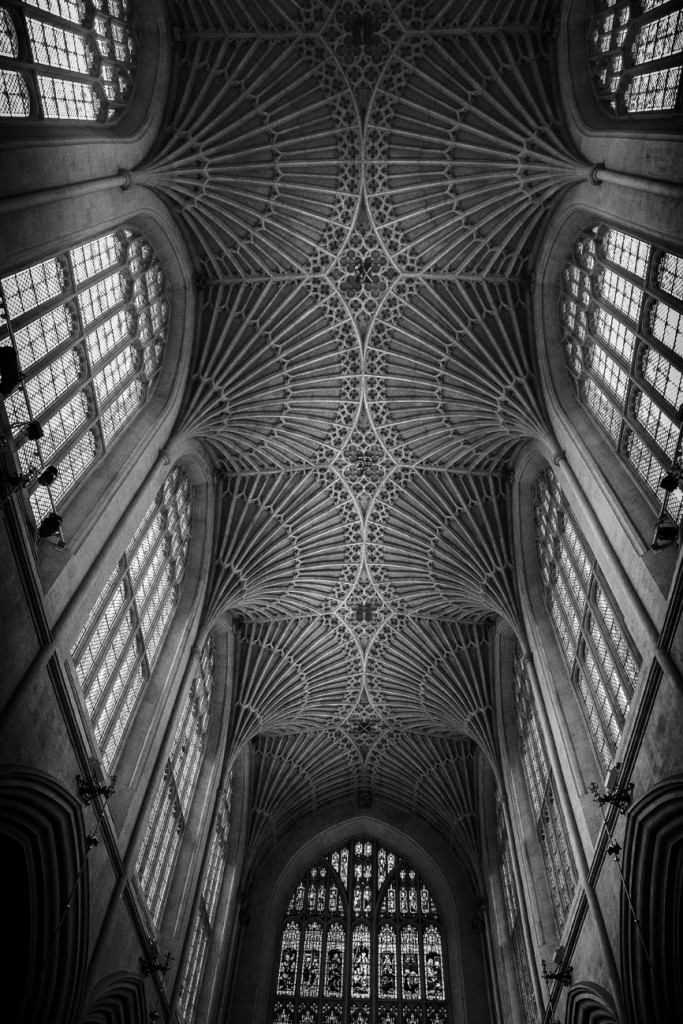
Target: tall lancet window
(361, 941)
(600, 655)
(511, 898)
(67, 60)
(88, 328)
(119, 643)
(168, 817)
(205, 913)
(636, 52)
(550, 825)
(622, 315)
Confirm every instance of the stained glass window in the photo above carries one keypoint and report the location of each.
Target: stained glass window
(600, 656)
(88, 328)
(636, 53)
(621, 310)
(550, 825)
(68, 60)
(361, 941)
(202, 924)
(172, 802)
(511, 899)
(118, 645)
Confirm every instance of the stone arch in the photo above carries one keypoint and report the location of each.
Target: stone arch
(590, 1004)
(636, 143)
(601, 472)
(118, 999)
(43, 836)
(64, 152)
(653, 869)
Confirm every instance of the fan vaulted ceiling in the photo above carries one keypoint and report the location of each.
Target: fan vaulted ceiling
(362, 185)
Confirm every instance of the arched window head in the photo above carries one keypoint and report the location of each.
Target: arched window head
(66, 60)
(550, 824)
(205, 914)
(120, 641)
(636, 53)
(514, 920)
(600, 656)
(168, 818)
(88, 328)
(621, 310)
(361, 941)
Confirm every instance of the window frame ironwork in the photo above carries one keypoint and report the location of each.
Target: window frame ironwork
(100, 34)
(614, 32)
(582, 306)
(374, 892)
(572, 562)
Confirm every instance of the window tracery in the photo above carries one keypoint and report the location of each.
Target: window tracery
(511, 899)
(600, 656)
(205, 913)
(636, 53)
(621, 310)
(66, 59)
(173, 799)
(361, 940)
(120, 641)
(550, 824)
(88, 327)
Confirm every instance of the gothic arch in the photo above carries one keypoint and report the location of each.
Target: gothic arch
(118, 999)
(92, 511)
(633, 144)
(43, 838)
(598, 468)
(653, 868)
(445, 875)
(590, 1004)
(71, 151)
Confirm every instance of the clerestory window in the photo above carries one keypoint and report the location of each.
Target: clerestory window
(66, 60)
(120, 641)
(550, 825)
(88, 328)
(205, 914)
(361, 941)
(600, 655)
(636, 53)
(511, 899)
(168, 817)
(621, 310)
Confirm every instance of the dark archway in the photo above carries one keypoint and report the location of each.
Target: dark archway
(653, 867)
(43, 836)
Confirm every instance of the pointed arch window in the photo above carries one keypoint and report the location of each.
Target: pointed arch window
(168, 818)
(88, 328)
(511, 899)
(120, 641)
(621, 310)
(203, 922)
(67, 60)
(361, 941)
(599, 653)
(636, 54)
(550, 824)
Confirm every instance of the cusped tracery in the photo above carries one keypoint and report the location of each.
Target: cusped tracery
(361, 933)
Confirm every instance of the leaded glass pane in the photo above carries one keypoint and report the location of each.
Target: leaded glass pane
(627, 354)
(636, 56)
(86, 368)
(385, 931)
(113, 655)
(591, 635)
(81, 62)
